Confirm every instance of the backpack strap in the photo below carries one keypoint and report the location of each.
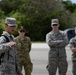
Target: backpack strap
(7, 39)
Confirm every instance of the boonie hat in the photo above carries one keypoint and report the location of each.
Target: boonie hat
(54, 21)
(10, 21)
(21, 28)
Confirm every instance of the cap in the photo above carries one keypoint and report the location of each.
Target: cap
(21, 28)
(54, 21)
(10, 21)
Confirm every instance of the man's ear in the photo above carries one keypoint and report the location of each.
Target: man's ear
(6, 25)
(18, 31)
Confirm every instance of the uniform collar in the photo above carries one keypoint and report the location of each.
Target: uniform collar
(23, 39)
(6, 33)
(55, 32)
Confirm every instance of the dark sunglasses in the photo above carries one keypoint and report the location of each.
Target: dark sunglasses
(55, 25)
(22, 30)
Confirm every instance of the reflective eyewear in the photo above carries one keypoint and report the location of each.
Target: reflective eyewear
(54, 25)
(22, 30)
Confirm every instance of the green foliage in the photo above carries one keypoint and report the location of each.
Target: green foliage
(69, 5)
(1, 14)
(1, 25)
(36, 15)
(74, 13)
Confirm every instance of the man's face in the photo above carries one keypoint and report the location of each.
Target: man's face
(55, 26)
(10, 29)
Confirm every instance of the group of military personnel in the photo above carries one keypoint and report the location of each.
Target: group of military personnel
(57, 58)
(14, 52)
(17, 50)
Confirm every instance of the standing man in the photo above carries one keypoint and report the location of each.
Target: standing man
(9, 63)
(72, 44)
(57, 41)
(24, 48)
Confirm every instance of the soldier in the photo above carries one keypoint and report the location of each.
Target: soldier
(72, 45)
(9, 64)
(24, 48)
(57, 41)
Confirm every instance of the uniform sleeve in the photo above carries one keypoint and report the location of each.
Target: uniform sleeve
(16, 58)
(71, 43)
(4, 46)
(29, 44)
(65, 40)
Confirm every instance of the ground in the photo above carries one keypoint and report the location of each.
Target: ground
(39, 57)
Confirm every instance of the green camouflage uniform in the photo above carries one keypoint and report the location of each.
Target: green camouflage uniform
(24, 47)
(57, 54)
(72, 43)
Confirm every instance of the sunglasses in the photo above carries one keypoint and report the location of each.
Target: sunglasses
(22, 30)
(55, 25)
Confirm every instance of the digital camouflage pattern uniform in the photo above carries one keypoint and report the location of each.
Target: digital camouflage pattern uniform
(72, 43)
(9, 66)
(24, 48)
(57, 54)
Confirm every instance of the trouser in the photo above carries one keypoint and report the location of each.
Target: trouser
(74, 67)
(27, 67)
(7, 71)
(7, 74)
(60, 63)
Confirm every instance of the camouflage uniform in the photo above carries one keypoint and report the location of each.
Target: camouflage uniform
(9, 66)
(73, 44)
(24, 47)
(57, 54)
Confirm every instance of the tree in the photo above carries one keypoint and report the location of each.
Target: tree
(36, 15)
(69, 5)
(8, 5)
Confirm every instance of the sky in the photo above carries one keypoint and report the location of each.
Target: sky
(73, 1)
